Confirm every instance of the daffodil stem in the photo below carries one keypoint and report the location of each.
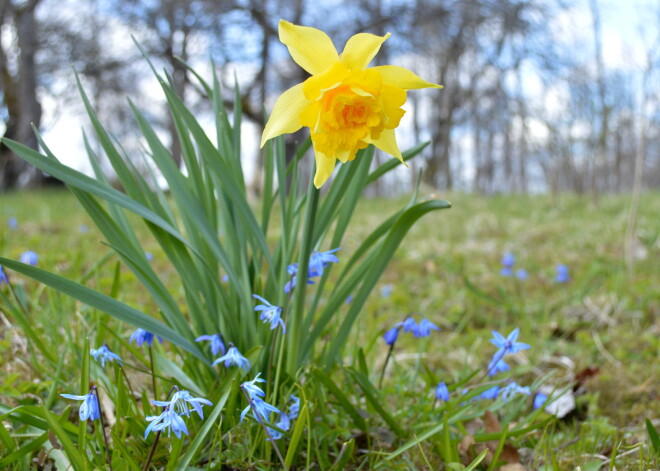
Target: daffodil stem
(152, 451)
(387, 360)
(270, 437)
(295, 322)
(105, 437)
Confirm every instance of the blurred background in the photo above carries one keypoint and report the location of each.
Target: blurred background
(540, 95)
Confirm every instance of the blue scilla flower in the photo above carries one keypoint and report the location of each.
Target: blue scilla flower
(562, 274)
(89, 409)
(509, 344)
(168, 420)
(12, 222)
(251, 388)
(103, 354)
(234, 358)
(29, 258)
(294, 407)
(522, 274)
(386, 291)
(490, 393)
(510, 390)
(391, 335)
(217, 345)
(497, 365)
(182, 401)
(320, 260)
(409, 325)
(424, 328)
(539, 400)
(261, 410)
(149, 256)
(270, 314)
(283, 423)
(141, 336)
(292, 270)
(83, 229)
(4, 280)
(441, 392)
(508, 260)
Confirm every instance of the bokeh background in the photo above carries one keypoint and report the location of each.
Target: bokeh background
(540, 95)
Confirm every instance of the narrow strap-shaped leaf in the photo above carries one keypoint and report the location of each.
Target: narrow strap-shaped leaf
(350, 409)
(394, 162)
(105, 304)
(85, 183)
(372, 396)
(74, 455)
(385, 252)
(209, 424)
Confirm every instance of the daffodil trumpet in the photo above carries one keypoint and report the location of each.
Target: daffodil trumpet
(345, 104)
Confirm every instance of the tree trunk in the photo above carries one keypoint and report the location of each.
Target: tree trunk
(20, 96)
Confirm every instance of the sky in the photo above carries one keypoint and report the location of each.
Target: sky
(628, 26)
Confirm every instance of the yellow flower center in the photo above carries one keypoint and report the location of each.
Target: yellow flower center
(348, 109)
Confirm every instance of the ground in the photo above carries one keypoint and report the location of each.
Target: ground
(598, 332)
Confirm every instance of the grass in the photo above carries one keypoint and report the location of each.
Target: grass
(603, 322)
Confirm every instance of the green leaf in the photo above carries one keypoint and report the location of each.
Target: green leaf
(77, 459)
(105, 304)
(394, 162)
(377, 264)
(345, 454)
(372, 395)
(477, 460)
(653, 436)
(296, 435)
(25, 449)
(85, 183)
(341, 398)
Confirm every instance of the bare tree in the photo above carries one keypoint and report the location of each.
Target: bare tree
(18, 79)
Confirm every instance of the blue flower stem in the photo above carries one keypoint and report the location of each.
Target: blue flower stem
(273, 343)
(151, 367)
(418, 362)
(498, 357)
(270, 437)
(153, 447)
(152, 451)
(296, 320)
(13, 292)
(105, 437)
(387, 360)
(280, 354)
(128, 383)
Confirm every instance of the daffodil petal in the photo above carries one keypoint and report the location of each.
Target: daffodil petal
(402, 78)
(311, 48)
(324, 167)
(387, 143)
(285, 117)
(360, 49)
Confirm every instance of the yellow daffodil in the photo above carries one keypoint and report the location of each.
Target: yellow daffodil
(345, 104)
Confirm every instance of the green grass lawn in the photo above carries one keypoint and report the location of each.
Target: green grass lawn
(601, 329)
